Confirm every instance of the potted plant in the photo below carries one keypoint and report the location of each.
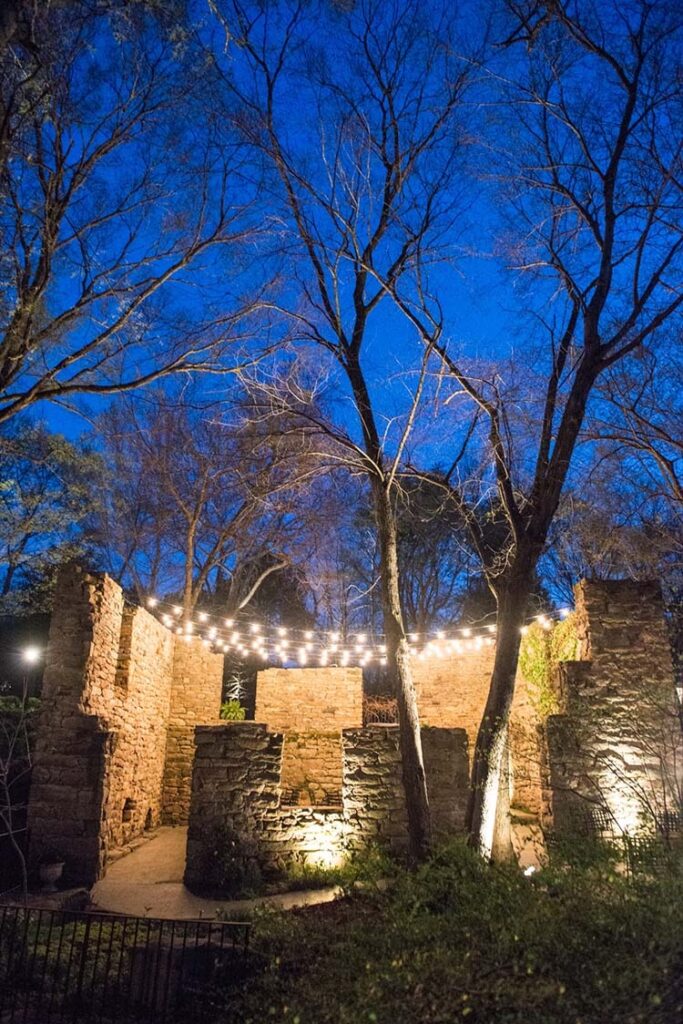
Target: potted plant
(50, 870)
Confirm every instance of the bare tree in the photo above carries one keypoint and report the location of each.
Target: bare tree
(111, 189)
(596, 198)
(351, 114)
(192, 500)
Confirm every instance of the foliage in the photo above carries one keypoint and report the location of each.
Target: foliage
(46, 497)
(229, 864)
(368, 869)
(540, 653)
(460, 939)
(232, 711)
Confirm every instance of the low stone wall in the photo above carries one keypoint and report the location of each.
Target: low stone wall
(373, 794)
(236, 785)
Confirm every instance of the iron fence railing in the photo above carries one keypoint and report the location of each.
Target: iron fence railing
(61, 966)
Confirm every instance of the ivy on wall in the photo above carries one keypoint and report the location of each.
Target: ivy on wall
(540, 653)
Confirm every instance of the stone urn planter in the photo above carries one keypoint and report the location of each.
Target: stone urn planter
(50, 872)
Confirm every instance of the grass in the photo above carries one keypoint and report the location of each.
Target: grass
(459, 940)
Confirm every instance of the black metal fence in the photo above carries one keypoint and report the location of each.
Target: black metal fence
(69, 967)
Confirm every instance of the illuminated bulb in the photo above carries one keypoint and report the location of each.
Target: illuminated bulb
(441, 635)
(358, 648)
(361, 638)
(414, 637)
(308, 647)
(524, 630)
(177, 609)
(282, 631)
(167, 620)
(202, 616)
(188, 638)
(334, 648)
(345, 657)
(383, 648)
(382, 661)
(179, 629)
(189, 627)
(31, 655)
(303, 656)
(308, 635)
(235, 637)
(564, 612)
(212, 632)
(491, 628)
(254, 627)
(466, 632)
(229, 623)
(152, 602)
(334, 637)
(324, 658)
(255, 644)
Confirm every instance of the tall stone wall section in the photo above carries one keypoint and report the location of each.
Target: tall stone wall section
(311, 706)
(195, 699)
(101, 737)
(615, 751)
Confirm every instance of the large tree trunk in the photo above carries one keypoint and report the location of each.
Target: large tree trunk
(492, 735)
(414, 779)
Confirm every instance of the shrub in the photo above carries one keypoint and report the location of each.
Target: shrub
(232, 711)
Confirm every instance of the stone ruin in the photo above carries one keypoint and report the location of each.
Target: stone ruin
(130, 738)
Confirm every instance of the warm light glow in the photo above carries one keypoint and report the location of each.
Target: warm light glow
(31, 655)
(152, 602)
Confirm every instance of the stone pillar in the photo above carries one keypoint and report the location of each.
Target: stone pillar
(195, 699)
(235, 785)
(615, 753)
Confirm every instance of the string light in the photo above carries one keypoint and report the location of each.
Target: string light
(271, 643)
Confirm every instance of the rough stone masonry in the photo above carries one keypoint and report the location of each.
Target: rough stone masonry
(129, 737)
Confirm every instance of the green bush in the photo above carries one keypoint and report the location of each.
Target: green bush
(232, 711)
(462, 940)
(229, 864)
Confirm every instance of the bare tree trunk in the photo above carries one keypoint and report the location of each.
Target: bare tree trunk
(492, 735)
(413, 773)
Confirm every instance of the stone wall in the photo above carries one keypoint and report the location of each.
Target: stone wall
(101, 738)
(310, 699)
(195, 699)
(312, 769)
(615, 752)
(236, 784)
(373, 795)
(452, 693)
(312, 706)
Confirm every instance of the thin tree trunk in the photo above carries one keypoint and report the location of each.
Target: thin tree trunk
(492, 735)
(413, 773)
